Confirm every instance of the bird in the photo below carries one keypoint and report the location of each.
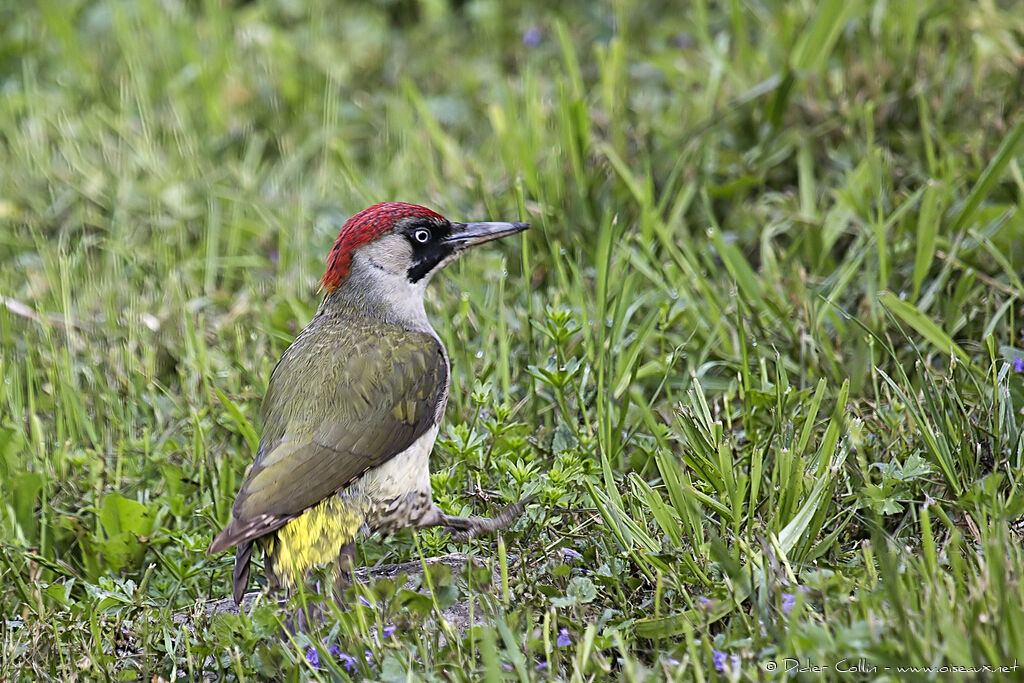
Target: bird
(354, 405)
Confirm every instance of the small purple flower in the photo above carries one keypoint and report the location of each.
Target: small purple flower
(541, 666)
(364, 602)
(1018, 364)
(313, 657)
(563, 638)
(348, 661)
(672, 661)
(389, 631)
(704, 601)
(532, 37)
(369, 657)
(334, 651)
(788, 602)
(570, 555)
(506, 667)
(723, 660)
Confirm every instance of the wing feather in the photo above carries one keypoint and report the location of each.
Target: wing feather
(342, 399)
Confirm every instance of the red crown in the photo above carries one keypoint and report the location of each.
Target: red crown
(362, 228)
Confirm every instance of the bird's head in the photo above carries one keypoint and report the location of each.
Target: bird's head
(395, 241)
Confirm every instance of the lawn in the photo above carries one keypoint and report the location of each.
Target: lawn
(759, 358)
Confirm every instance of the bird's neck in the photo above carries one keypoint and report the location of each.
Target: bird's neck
(369, 291)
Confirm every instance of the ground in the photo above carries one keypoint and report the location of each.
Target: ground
(759, 357)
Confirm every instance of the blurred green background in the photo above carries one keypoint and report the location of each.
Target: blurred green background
(759, 356)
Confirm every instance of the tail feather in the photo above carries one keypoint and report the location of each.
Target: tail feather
(240, 531)
(240, 580)
(315, 538)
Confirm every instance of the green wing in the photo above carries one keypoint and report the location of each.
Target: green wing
(342, 399)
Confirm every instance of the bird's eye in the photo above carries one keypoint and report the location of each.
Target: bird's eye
(422, 235)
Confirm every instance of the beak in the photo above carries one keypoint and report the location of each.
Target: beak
(466, 235)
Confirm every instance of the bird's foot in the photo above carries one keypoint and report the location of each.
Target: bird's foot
(344, 567)
(465, 528)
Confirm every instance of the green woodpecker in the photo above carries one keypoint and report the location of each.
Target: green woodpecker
(354, 404)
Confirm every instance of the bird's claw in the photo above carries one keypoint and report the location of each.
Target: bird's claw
(462, 529)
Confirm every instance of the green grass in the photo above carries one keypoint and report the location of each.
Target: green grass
(755, 357)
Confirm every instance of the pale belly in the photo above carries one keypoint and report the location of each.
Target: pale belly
(400, 488)
(407, 472)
